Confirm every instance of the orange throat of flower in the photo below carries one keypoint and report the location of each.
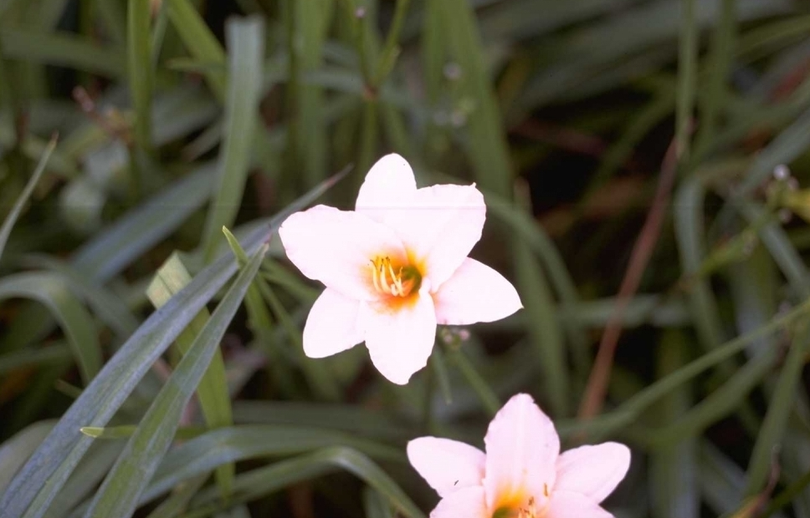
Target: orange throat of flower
(394, 280)
(519, 506)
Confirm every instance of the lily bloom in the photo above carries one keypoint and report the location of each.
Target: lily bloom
(522, 474)
(394, 268)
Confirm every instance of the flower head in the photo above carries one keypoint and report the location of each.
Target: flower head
(394, 268)
(522, 474)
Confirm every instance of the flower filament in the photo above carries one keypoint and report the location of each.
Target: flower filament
(389, 280)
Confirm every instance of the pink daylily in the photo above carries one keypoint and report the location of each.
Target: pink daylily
(394, 268)
(522, 474)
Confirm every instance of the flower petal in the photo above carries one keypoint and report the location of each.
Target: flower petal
(593, 471)
(400, 338)
(447, 466)
(565, 504)
(336, 247)
(475, 293)
(388, 181)
(465, 503)
(333, 325)
(522, 448)
(439, 226)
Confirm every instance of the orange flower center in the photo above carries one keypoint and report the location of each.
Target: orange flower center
(394, 280)
(531, 508)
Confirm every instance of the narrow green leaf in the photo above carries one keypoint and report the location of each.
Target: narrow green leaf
(122, 242)
(375, 505)
(262, 481)
(11, 219)
(139, 69)
(687, 72)
(246, 57)
(312, 18)
(487, 149)
(347, 418)
(631, 409)
(61, 49)
(775, 239)
(16, 450)
(108, 306)
(38, 482)
(779, 410)
(785, 148)
(50, 290)
(179, 499)
(217, 447)
(34, 357)
(199, 41)
(544, 331)
(722, 46)
(489, 400)
(118, 494)
(320, 379)
(673, 470)
(720, 402)
(212, 391)
(689, 233)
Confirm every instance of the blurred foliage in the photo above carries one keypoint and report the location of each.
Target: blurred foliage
(169, 119)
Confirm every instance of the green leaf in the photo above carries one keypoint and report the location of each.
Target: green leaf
(257, 483)
(487, 149)
(246, 57)
(118, 494)
(673, 469)
(224, 445)
(632, 408)
(34, 357)
(313, 19)
(108, 306)
(38, 482)
(16, 450)
(348, 418)
(61, 49)
(212, 391)
(199, 41)
(139, 69)
(780, 408)
(687, 80)
(122, 242)
(11, 219)
(51, 291)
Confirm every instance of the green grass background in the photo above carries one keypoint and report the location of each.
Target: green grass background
(132, 132)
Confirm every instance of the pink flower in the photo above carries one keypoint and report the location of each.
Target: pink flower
(395, 268)
(522, 474)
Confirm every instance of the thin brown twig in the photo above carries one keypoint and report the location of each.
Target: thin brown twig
(596, 389)
(114, 129)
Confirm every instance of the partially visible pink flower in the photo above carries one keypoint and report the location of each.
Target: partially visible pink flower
(395, 268)
(522, 474)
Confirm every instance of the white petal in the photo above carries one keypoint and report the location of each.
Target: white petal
(522, 448)
(387, 183)
(333, 325)
(593, 471)
(400, 339)
(466, 503)
(447, 466)
(439, 226)
(565, 504)
(475, 293)
(336, 247)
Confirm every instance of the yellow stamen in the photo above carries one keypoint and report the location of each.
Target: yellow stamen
(398, 282)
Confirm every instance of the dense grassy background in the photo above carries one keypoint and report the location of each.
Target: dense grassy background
(633, 156)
